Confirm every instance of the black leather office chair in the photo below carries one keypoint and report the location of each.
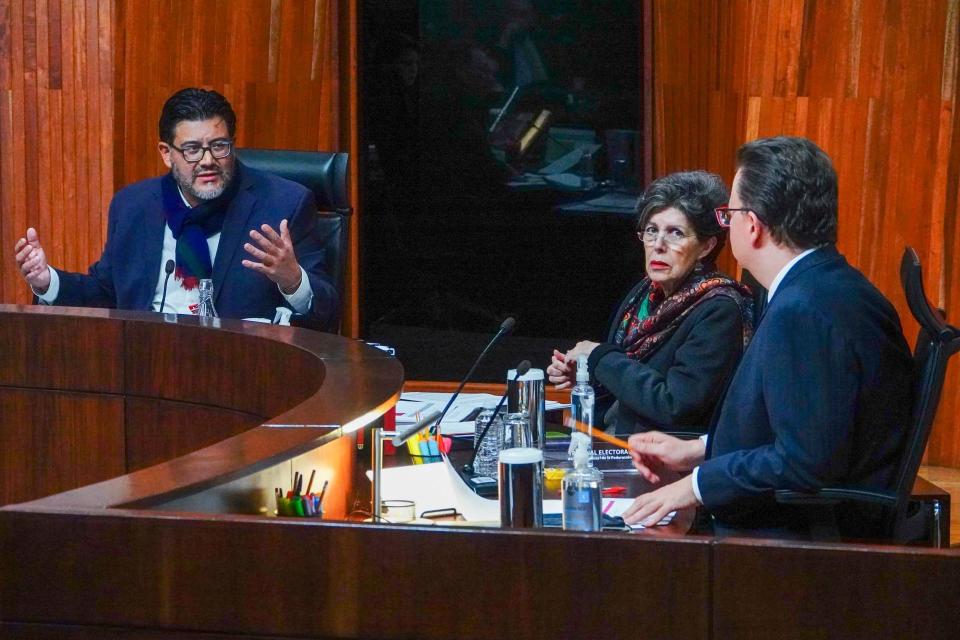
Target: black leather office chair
(325, 173)
(903, 520)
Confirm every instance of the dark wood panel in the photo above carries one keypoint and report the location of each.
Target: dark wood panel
(55, 441)
(76, 632)
(352, 581)
(770, 590)
(61, 352)
(278, 372)
(161, 430)
(17, 631)
(217, 368)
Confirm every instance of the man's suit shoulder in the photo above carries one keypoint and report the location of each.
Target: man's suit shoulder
(139, 190)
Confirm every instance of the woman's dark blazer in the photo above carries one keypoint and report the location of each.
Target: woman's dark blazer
(676, 386)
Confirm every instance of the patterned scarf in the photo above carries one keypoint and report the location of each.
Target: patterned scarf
(650, 318)
(191, 226)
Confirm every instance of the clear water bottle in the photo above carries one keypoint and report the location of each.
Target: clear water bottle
(206, 308)
(581, 489)
(582, 400)
(487, 449)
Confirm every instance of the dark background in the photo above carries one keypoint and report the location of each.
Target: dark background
(450, 244)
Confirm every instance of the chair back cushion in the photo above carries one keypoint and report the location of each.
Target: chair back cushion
(325, 173)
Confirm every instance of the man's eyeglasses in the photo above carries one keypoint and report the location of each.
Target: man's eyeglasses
(725, 213)
(672, 237)
(193, 152)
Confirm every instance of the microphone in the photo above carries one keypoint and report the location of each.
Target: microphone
(505, 328)
(522, 369)
(168, 269)
(413, 430)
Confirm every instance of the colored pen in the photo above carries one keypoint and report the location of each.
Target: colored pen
(323, 492)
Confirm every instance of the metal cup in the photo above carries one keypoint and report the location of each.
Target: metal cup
(528, 395)
(520, 476)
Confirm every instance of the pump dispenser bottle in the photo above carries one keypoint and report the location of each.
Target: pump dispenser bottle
(581, 489)
(582, 399)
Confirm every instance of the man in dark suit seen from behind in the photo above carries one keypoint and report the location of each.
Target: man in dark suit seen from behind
(823, 394)
(196, 218)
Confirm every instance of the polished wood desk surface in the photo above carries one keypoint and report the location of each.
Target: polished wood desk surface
(309, 387)
(79, 564)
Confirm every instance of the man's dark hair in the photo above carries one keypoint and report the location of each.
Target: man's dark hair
(194, 105)
(696, 194)
(791, 185)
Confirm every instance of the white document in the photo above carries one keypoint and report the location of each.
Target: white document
(460, 418)
(436, 486)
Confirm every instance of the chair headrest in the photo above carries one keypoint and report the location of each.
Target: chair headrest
(323, 172)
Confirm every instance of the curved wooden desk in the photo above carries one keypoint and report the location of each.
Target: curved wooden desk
(162, 552)
(174, 407)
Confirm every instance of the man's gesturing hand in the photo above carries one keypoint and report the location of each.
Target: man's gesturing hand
(277, 259)
(32, 261)
(653, 451)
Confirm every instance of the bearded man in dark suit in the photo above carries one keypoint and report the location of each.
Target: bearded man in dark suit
(195, 219)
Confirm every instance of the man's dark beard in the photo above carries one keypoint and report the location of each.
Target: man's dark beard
(186, 182)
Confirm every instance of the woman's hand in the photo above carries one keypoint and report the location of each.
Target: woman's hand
(559, 372)
(582, 348)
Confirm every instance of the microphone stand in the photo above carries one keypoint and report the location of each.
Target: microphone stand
(168, 269)
(505, 328)
(400, 438)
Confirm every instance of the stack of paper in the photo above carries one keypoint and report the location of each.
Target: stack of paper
(459, 419)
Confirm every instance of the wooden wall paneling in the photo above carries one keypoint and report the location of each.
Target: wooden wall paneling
(159, 430)
(56, 135)
(873, 83)
(78, 436)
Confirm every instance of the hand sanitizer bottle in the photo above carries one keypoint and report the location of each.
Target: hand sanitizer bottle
(582, 398)
(581, 489)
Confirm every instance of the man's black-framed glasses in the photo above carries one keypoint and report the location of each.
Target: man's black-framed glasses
(193, 152)
(724, 214)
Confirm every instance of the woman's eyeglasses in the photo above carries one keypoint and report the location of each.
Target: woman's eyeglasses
(673, 237)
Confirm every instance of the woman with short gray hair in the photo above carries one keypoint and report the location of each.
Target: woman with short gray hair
(679, 334)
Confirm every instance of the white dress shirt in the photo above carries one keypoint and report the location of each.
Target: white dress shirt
(180, 300)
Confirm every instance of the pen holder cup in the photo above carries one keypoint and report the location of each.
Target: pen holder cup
(300, 507)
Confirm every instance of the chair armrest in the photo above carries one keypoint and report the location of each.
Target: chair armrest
(833, 496)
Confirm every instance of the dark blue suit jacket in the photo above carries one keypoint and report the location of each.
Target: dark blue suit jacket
(822, 397)
(126, 275)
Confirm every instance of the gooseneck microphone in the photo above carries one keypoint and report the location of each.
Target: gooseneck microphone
(522, 369)
(505, 328)
(168, 269)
